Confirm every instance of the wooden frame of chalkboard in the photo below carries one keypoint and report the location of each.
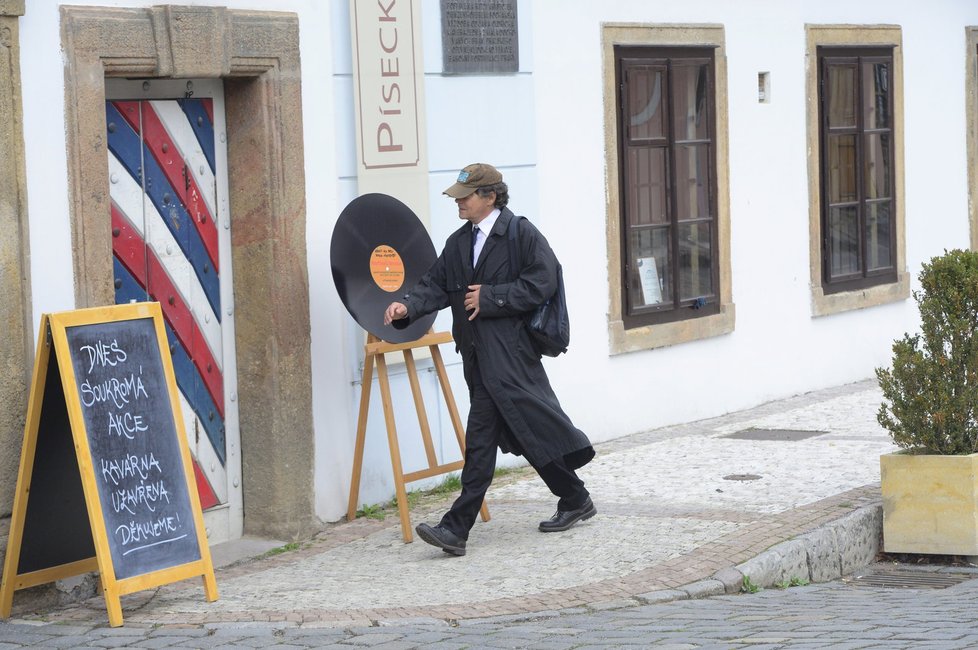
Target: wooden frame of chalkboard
(105, 480)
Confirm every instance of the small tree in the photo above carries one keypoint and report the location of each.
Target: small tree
(931, 394)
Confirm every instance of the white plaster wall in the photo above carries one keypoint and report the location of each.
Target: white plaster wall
(777, 348)
(544, 127)
(469, 119)
(42, 84)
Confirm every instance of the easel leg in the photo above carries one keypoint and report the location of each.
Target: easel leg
(114, 607)
(6, 598)
(402, 502)
(412, 373)
(210, 587)
(446, 388)
(366, 385)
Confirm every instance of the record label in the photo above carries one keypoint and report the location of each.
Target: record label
(379, 251)
(387, 268)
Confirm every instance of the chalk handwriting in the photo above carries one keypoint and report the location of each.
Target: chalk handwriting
(148, 495)
(129, 466)
(104, 354)
(126, 424)
(148, 529)
(119, 392)
(135, 451)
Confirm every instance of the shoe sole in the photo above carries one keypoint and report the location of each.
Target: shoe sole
(434, 541)
(587, 515)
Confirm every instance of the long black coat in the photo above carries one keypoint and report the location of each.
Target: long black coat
(496, 341)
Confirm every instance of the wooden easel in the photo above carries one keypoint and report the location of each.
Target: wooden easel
(375, 349)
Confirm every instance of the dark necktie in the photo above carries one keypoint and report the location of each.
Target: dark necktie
(475, 243)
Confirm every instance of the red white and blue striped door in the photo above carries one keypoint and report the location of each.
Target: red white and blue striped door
(171, 244)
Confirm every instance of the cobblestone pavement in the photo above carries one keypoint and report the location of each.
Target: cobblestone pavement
(831, 615)
(678, 509)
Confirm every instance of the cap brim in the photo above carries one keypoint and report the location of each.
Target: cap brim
(459, 191)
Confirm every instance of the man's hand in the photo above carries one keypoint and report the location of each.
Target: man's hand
(395, 311)
(472, 300)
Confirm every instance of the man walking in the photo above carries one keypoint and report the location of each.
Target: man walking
(512, 406)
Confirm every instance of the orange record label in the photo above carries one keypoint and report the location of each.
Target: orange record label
(387, 268)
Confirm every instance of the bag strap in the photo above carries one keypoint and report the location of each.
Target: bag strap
(513, 236)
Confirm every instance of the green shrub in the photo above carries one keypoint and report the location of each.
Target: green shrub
(931, 393)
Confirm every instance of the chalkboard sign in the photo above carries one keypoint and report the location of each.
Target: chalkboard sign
(134, 445)
(104, 447)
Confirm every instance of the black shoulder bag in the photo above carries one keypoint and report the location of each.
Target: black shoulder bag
(548, 324)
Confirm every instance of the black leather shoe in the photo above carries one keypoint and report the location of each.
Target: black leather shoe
(564, 519)
(441, 537)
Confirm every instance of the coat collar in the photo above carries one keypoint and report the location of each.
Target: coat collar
(497, 235)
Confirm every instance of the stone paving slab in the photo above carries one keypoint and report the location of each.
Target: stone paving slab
(840, 614)
(667, 519)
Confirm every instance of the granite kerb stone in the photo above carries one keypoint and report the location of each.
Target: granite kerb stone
(763, 570)
(704, 588)
(662, 596)
(731, 578)
(827, 553)
(794, 560)
(836, 549)
(822, 550)
(859, 536)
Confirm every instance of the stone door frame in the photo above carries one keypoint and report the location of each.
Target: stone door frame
(16, 318)
(256, 54)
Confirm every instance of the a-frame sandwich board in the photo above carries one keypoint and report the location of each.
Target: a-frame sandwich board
(105, 480)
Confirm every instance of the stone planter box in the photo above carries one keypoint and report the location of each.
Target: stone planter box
(930, 504)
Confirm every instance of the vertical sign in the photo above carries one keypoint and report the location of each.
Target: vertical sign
(388, 91)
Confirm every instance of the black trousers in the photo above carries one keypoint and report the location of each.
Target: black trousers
(483, 433)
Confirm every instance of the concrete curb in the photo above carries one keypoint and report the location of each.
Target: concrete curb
(827, 553)
(834, 550)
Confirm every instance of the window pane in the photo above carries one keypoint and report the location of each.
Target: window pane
(876, 91)
(876, 166)
(666, 116)
(695, 260)
(878, 228)
(690, 90)
(841, 88)
(647, 189)
(844, 241)
(646, 117)
(841, 162)
(692, 181)
(651, 280)
(858, 178)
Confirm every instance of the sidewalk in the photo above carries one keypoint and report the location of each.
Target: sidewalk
(683, 511)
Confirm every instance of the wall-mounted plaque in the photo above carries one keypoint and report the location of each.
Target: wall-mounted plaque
(479, 36)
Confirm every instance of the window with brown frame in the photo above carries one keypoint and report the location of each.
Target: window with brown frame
(666, 130)
(857, 168)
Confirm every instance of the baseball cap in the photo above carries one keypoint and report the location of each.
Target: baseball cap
(472, 178)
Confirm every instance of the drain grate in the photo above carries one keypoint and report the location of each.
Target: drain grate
(777, 435)
(910, 579)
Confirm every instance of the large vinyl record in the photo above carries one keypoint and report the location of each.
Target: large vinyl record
(379, 250)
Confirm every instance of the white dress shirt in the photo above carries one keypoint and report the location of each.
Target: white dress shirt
(481, 230)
